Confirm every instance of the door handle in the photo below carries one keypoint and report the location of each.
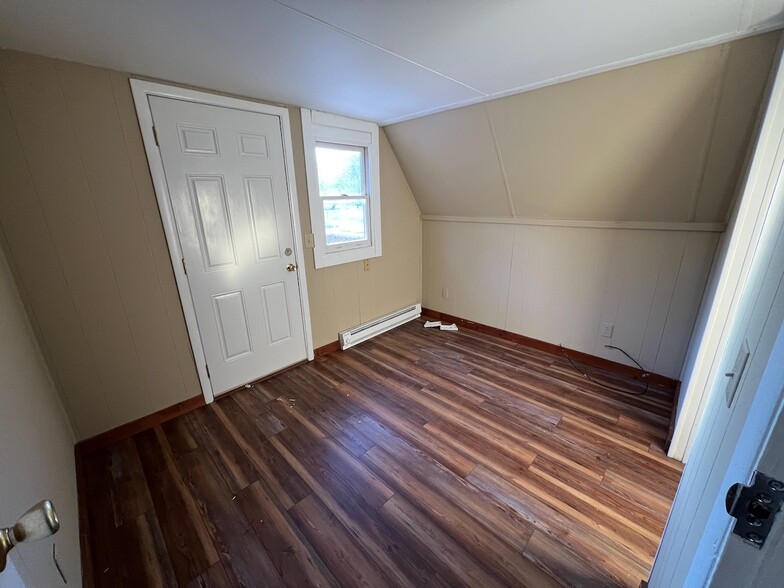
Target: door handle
(755, 507)
(38, 522)
(292, 267)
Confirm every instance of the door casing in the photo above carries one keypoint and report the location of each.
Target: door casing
(141, 91)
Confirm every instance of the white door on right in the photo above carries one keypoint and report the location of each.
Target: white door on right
(226, 177)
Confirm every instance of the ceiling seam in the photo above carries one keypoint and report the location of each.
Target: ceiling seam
(497, 146)
(591, 71)
(379, 47)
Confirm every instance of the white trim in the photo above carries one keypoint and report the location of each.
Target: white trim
(583, 224)
(299, 248)
(332, 128)
(591, 71)
(141, 91)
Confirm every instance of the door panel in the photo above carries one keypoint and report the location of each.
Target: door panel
(232, 320)
(253, 145)
(214, 227)
(277, 312)
(265, 225)
(226, 177)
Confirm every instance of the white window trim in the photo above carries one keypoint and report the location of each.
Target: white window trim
(322, 127)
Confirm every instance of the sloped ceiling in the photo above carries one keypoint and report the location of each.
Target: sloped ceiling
(662, 141)
(379, 60)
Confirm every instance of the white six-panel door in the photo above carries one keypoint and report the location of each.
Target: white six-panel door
(226, 178)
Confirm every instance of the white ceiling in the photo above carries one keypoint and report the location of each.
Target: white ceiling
(381, 60)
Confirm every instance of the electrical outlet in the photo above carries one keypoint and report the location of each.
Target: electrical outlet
(445, 293)
(309, 241)
(367, 265)
(606, 330)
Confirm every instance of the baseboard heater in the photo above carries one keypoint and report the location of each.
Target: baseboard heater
(364, 332)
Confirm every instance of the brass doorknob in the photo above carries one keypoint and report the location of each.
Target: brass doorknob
(292, 267)
(38, 522)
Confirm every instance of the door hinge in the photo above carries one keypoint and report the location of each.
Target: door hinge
(184, 267)
(755, 507)
(208, 371)
(155, 134)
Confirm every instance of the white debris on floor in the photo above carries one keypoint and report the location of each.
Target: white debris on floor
(437, 324)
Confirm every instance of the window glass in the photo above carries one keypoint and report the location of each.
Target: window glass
(340, 170)
(345, 220)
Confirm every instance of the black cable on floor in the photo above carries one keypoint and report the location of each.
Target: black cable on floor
(644, 373)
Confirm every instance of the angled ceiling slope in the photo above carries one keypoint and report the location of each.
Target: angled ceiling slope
(381, 61)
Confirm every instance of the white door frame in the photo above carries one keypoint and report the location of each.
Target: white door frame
(750, 213)
(142, 90)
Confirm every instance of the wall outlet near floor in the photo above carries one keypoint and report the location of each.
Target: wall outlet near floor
(445, 293)
(309, 241)
(606, 330)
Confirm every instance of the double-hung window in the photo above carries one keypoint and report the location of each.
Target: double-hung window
(342, 163)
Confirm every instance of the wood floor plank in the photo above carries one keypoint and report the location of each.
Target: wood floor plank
(244, 558)
(651, 522)
(214, 577)
(351, 517)
(187, 539)
(457, 564)
(236, 469)
(291, 553)
(346, 559)
(401, 423)
(285, 483)
(451, 487)
(156, 568)
(570, 568)
(180, 435)
(417, 458)
(482, 449)
(130, 496)
(589, 543)
(498, 557)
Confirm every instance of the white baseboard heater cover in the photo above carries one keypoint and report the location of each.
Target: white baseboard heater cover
(364, 332)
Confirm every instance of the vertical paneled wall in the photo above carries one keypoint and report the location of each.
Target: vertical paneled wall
(36, 454)
(84, 234)
(80, 224)
(561, 283)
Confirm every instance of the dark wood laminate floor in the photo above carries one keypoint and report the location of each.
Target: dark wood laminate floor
(419, 458)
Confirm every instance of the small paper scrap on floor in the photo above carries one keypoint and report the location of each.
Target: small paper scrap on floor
(429, 324)
(452, 327)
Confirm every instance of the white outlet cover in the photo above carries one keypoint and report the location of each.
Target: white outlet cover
(607, 330)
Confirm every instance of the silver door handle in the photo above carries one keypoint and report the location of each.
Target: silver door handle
(38, 522)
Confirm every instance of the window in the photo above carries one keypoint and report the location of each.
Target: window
(342, 163)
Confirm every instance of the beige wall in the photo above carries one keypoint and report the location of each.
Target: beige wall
(660, 141)
(82, 228)
(560, 284)
(36, 445)
(661, 144)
